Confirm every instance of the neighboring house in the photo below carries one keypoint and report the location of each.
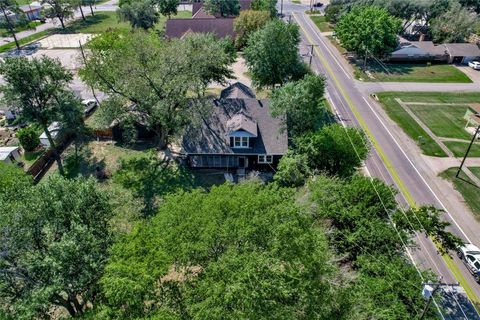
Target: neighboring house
(239, 133)
(8, 113)
(202, 22)
(55, 130)
(416, 51)
(9, 154)
(32, 11)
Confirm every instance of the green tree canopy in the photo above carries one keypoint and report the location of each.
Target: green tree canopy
(272, 54)
(13, 182)
(28, 138)
(140, 14)
(54, 245)
(368, 30)
(334, 149)
(248, 22)
(36, 89)
(238, 252)
(265, 5)
(454, 25)
(61, 9)
(167, 7)
(158, 77)
(300, 104)
(224, 8)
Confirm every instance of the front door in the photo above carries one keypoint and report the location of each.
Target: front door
(242, 163)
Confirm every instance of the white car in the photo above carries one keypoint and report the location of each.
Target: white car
(470, 255)
(89, 105)
(474, 65)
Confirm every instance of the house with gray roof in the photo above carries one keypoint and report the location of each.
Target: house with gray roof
(416, 51)
(238, 133)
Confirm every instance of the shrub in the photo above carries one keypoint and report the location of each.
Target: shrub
(28, 138)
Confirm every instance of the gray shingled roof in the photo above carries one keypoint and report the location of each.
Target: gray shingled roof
(221, 27)
(237, 91)
(211, 136)
(241, 122)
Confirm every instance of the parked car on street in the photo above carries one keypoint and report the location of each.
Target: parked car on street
(318, 5)
(89, 105)
(470, 255)
(474, 65)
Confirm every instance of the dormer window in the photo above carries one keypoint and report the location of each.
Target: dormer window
(240, 142)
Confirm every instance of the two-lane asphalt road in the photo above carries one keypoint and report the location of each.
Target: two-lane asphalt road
(392, 161)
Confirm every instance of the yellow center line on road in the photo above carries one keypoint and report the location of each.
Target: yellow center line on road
(388, 164)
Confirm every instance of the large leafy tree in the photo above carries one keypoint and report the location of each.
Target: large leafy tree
(61, 9)
(224, 8)
(334, 149)
(265, 5)
(300, 104)
(238, 252)
(248, 22)
(369, 232)
(157, 76)
(455, 25)
(37, 89)
(140, 14)
(368, 30)
(272, 54)
(167, 7)
(54, 241)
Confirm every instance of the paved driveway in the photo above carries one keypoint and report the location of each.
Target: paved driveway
(471, 73)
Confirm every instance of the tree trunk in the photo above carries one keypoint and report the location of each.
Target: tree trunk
(11, 28)
(61, 21)
(54, 149)
(91, 9)
(81, 11)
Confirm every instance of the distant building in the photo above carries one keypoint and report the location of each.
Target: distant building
(202, 22)
(9, 154)
(55, 130)
(32, 11)
(240, 133)
(417, 51)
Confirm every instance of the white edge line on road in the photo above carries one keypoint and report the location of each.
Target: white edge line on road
(416, 170)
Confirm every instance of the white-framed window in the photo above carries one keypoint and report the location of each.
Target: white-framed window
(264, 158)
(240, 142)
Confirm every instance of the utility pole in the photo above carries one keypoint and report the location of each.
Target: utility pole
(311, 53)
(428, 292)
(281, 9)
(477, 132)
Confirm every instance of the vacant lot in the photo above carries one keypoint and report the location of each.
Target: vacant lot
(411, 73)
(105, 20)
(469, 191)
(322, 23)
(445, 121)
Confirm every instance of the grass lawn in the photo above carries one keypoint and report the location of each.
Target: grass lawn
(322, 23)
(100, 22)
(469, 191)
(399, 72)
(445, 121)
(459, 149)
(29, 157)
(26, 40)
(105, 20)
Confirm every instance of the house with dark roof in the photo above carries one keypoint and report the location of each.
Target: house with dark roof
(239, 133)
(203, 22)
(428, 51)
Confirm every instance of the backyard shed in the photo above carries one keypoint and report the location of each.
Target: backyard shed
(9, 154)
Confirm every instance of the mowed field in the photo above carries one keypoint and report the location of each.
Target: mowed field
(403, 72)
(445, 121)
